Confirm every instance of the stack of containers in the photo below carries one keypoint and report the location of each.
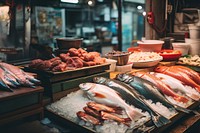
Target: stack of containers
(194, 40)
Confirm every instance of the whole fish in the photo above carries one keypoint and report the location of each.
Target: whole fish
(11, 79)
(101, 107)
(176, 84)
(92, 112)
(178, 75)
(164, 88)
(132, 97)
(88, 118)
(149, 91)
(105, 95)
(191, 73)
(108, 116)
(4, 83)
(22, 77)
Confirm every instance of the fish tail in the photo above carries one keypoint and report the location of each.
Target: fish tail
(182, 109)
(15, 83)
(31, 78)
(5, 87)
(159, 120)
(36, 81)
(8, 83)
(133, 114)
(181, 99)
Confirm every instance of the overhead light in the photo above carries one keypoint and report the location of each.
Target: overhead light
(91, 2)
(139, 7)
(70, 1)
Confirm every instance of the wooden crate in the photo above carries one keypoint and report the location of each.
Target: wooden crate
(57, 82)
(52, 77)
(20, 103)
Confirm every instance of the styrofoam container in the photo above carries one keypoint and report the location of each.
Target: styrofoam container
(112, 64)
(150, 45)
(194, 31)
(183, 47)
(124, 68)
(194, 46)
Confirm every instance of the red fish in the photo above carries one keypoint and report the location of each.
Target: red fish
(164, 88)
(191, 73)
(92, 112)
(101, 107)
(178, 75)
(88, 118)
(108, 116)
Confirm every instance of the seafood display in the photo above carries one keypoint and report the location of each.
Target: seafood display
(191, 60)
(129, 101)
(13, 77)
(132, 97)
(96, 113)
(73, 59)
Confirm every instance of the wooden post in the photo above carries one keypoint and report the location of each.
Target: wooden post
(158, 8)
(120, 25)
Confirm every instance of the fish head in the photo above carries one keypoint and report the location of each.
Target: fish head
(121, 77)
(124, 77)
(86, 86)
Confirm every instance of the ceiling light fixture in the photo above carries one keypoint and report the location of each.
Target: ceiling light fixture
(70, 1)
(139, 7)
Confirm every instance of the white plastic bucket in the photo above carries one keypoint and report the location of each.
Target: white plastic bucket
(194, 31)
(194, 46)
(183, 47)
